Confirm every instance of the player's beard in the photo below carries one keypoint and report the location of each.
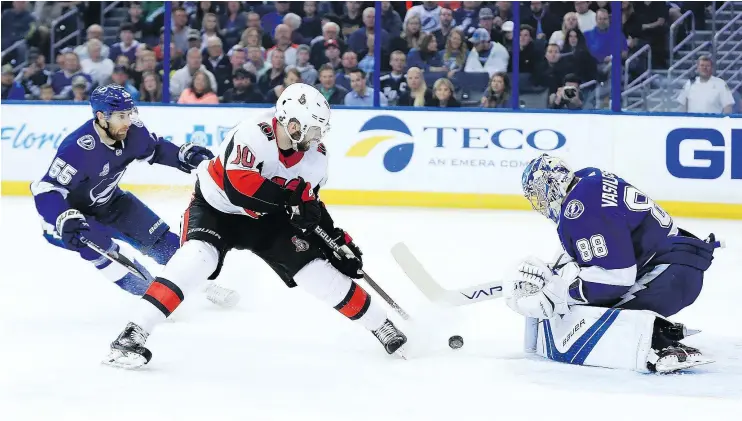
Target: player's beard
(119, 135)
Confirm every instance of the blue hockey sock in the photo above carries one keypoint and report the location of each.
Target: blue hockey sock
(122, 277)
(164, 248)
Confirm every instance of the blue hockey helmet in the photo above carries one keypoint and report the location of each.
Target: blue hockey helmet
(110, 99)
(545, 183)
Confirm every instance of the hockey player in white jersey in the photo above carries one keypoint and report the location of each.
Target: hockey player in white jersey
(261, 194)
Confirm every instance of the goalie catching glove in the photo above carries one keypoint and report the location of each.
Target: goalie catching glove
(539, 291)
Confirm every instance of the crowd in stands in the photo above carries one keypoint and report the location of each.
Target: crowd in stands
(436, 54)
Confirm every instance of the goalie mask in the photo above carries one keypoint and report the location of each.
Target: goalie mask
(545, 183)
(305, 115)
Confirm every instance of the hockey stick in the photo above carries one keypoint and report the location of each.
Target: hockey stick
(433, 291)
(345, 250)
(116, 258)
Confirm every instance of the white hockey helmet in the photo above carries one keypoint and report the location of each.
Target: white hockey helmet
(305, 105)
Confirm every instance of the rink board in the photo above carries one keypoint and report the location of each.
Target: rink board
(430, 158)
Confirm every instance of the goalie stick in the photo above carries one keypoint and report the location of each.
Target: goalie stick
(433, 291)
(337, 249)
(116, 258)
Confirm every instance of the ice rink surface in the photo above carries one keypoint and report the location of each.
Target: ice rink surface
(282, 355)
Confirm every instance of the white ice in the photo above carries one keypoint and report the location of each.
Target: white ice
(282, 355)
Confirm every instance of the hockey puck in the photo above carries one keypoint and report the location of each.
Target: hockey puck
(455, 342)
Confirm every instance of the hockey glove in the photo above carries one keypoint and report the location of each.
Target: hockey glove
(349, 263)
(305, 211)
(191, 155)
(536, 291)
(71, 225)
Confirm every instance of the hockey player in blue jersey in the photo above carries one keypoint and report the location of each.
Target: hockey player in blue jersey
(627, 267)
(79, 198)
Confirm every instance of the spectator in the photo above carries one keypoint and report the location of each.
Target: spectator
(368, 62)
(655, 16)
(120, 77)
(353, 20)
(429, 13)
(417, 94)
(503, 12)
(94, 32)
(443, 95)
(487, 22)
(357, 40)
(570, 22)
(283, 43)
(237, 59)
(394, 84)
(486, 56)
(292, 76)
(454, 55)
(146, 64)
(46, 93)
(218, 64)
(255, 63)
(706, 93)
(361, 95)
(446, 26)
(599, 40)
(426, 57)
(200, 90)
(11, 89)
(550, 73)
(244, 90)
(293, 21)
(335, 95)
(467, 16)
(311, 24)
(151, 88)
(543, 22)
(17, 22)
(275, 75)
(180, 29)
(271, 20)
(391, 22)
(123, 60)
(349, 62)
(251, 38)
(233, 23)
(140, 27)
(568, 96)
(35, 75)
(410, 37)
(307, 71)
(182, 77)
(253, 21)
(128, 45)
(583, 63)
(332, 54)
(530, 55)
(209, 29)
(497, 94)
(330, 32)
(99, 68)
(62, 79)
(78, 89)
(586, 18)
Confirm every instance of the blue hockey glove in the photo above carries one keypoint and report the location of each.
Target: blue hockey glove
(71, 225)
(191, 155)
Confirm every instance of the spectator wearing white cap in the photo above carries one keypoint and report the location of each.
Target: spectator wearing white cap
(706, 94)
(486, 55)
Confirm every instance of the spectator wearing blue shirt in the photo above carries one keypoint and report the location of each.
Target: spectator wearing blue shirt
(16, 23)
(349, 62)
(357, 40)
(599, 39)
(11, 88)
(62, 79)
(426, 56)
(361, 95)
(273, 19)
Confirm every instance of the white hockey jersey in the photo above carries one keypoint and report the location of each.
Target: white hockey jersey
(250, 175)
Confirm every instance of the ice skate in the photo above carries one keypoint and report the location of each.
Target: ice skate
(674, 358)
(391, 337)
(128, 350)
(223, 297)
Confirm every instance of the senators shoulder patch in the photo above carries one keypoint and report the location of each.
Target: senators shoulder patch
(86, 142)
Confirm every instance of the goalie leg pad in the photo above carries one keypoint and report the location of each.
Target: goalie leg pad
(598, 337)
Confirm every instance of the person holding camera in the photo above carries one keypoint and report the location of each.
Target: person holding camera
(568, 96)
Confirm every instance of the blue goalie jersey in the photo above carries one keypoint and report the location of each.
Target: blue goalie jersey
(613, 231)
(86, 171)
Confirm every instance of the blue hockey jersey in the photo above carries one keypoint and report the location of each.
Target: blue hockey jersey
(85, 172)
(613, 231)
